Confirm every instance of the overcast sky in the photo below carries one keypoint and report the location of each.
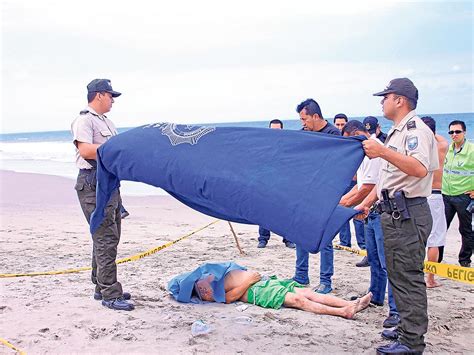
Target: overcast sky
(220, 61)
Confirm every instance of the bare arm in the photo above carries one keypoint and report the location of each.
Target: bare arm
(348, 196)
(409, 165)
(238, 291)
(88, 150)
(358, 196)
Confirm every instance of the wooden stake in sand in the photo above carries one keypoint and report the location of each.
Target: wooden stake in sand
(236, 240)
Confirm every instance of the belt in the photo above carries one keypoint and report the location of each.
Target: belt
(415, 201)
(436, 192)
(381, 206)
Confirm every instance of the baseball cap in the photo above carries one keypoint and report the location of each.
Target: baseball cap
(370, 123)
(102, 85)
(400, 86)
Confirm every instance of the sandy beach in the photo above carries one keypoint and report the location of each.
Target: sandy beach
(42, 228)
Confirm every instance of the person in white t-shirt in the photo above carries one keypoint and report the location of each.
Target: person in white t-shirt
(367, 177)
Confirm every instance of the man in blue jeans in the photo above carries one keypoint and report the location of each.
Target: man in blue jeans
(367, 176)
(264, 234)
(340, 120)
(345, 233)
(312, 120)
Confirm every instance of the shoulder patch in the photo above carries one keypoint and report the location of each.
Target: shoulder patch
(411, 125)
(412, 142)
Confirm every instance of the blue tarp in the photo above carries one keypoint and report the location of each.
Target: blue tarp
(289, 182)
(181, 286)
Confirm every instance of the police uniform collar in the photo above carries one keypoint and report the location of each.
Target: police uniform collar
(91, 110)
(405, 120)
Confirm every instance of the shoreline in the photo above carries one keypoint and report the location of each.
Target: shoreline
(129, 189)
(43, 228)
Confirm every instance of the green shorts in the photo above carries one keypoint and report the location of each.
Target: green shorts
(271, 293)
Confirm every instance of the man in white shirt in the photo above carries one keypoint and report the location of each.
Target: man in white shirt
(367, 177)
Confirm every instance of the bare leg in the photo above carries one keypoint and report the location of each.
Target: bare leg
(333, 301)
(299, 301)
(327, 300)
(433, 254)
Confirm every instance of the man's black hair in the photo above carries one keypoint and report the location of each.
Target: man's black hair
(277, 121)
(463, 125)
(91, 96)
(430, 122)
(311, 107)
(340, 115)
(411, 103)
(353, 126)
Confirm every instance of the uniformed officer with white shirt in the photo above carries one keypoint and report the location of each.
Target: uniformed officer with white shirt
(91, 129)
(410, 157)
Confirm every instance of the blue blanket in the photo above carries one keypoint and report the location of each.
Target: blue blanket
(181, 286)
(289, 182)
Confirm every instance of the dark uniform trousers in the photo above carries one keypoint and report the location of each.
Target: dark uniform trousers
(105, 240)
(405, 245)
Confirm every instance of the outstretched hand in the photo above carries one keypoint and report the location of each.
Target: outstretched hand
(364, 212)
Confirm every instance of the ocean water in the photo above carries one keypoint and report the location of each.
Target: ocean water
(53, 152)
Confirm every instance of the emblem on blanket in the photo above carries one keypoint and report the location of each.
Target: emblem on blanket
(178, 134)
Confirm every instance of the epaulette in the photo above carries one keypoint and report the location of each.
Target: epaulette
(84, 112)
(411, 125)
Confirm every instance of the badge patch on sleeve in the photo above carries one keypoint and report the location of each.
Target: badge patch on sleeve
(412, 142)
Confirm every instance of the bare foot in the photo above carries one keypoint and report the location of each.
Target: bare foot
(364, 302)
(350, 311)
(432, 284)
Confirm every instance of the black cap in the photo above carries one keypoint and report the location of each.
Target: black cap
(370, 123)
(102, 85)
(401, 86)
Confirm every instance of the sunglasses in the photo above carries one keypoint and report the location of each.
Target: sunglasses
(456, 131)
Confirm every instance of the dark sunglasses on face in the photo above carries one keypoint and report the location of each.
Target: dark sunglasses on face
(456, 131)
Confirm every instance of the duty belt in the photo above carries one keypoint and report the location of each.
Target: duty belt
(398, 205)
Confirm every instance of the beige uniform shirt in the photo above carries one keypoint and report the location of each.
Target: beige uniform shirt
(413, 138)
(91, 128)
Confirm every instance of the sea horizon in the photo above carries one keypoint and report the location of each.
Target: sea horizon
(292, 124)
(52, 152)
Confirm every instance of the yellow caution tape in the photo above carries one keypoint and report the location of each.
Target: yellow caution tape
(352, 250)
(11, 346)
(450, 271)
(120, 261)
(453, 272)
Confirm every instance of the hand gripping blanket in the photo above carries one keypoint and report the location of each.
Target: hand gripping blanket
(289, 182)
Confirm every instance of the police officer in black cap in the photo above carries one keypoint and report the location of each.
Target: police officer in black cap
(410, 157)
(91, 129)
(371, 123)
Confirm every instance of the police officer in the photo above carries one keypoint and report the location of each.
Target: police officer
(91, 129)
(410, 158)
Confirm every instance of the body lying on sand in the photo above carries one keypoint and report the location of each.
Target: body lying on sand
(248, 286)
